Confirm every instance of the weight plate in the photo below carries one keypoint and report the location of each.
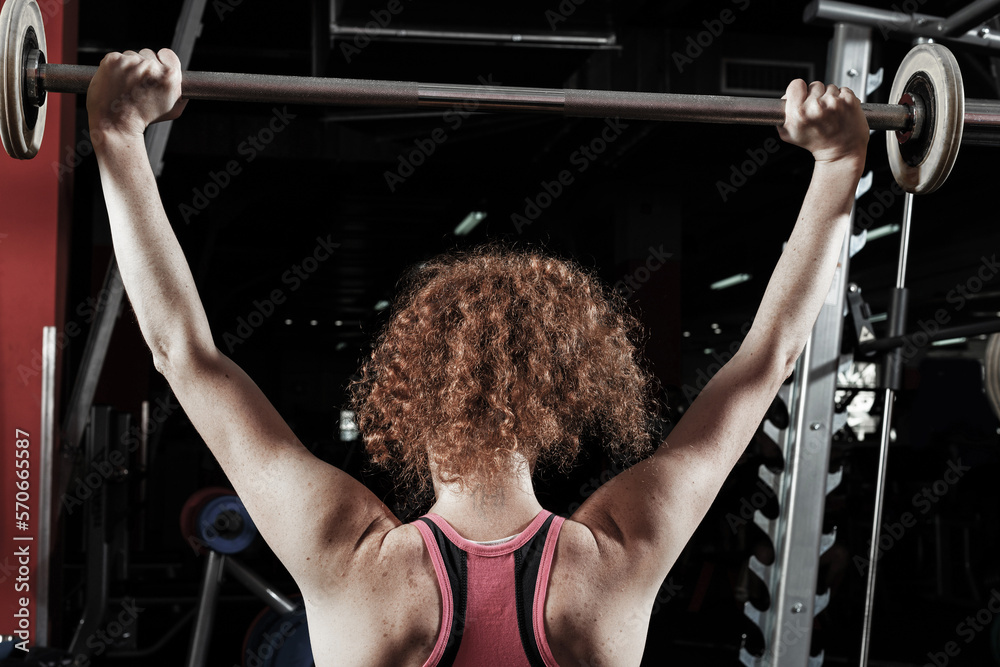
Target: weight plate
(928, 71)
(192, 510)
(278, 640)
(21, 127)
(224, 525)
(6, 647)
(992, 365)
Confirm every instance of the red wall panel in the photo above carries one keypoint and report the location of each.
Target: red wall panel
(35, 208)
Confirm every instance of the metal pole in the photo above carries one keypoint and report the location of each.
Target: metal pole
(47, 469)
(554, 40)
(894, 369)
(98, 341)
(982, 116)
(198, 653)
(895, 22)
(801, 489)
(971, 16)
(143, 464)
(904, 241)
(260, 588)
(961, 331)
(231, 87)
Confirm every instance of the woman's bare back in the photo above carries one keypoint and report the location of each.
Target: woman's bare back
(389, 611)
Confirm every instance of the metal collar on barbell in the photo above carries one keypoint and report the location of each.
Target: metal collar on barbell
(930, 119)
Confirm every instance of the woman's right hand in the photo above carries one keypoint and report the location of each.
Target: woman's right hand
(827, 121)
(133, 90)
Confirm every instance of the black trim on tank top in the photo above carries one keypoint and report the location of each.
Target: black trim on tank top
(456, 566)
(527, 562)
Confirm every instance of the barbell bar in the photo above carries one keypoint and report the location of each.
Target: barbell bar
(924, 129)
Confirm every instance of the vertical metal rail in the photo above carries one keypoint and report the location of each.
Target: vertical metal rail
(95, 535)
(215, 564)
(893, 377)
(47, 470)
(801, 489)
(143, 466)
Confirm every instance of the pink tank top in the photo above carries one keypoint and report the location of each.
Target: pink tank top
(493, 595)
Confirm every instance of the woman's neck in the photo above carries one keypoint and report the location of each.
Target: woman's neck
(488, 514)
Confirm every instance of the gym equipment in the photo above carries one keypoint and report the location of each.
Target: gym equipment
(7, 645)
(928, 78)
(217, 566)
(929, 119)
(801, 487)
(216, 524)
(22, 45)
(992, 365)
(275, 639)
(215, 518)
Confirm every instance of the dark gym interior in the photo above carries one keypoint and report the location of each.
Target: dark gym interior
(663, 212)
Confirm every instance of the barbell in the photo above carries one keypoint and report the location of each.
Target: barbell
(924, 129)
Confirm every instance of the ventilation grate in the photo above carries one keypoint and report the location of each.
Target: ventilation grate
(766, 78)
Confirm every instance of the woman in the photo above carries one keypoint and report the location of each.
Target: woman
(466, 391)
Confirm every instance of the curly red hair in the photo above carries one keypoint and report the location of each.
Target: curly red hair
(495, 351)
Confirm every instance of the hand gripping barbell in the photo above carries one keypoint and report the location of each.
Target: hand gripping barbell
(929, 121)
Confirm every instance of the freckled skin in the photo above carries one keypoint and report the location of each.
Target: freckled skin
(368, 583)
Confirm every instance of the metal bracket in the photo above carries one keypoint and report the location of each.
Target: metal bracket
(874, 81)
